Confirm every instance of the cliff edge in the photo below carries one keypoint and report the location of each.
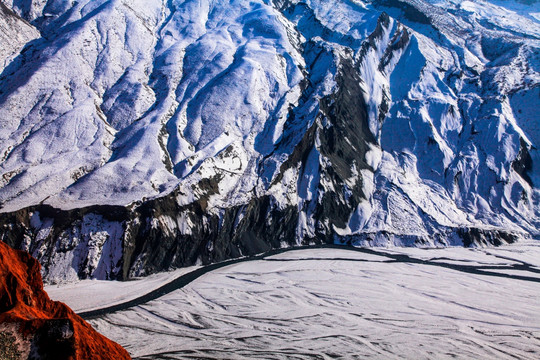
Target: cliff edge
(35, 327)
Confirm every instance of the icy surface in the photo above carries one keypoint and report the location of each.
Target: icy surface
(86, 295)
(322, 303)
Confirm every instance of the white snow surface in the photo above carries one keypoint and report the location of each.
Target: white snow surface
(327, 303)
(87, 295)
(14, 34)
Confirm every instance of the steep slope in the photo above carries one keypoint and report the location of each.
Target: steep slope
(14, 34)
(35, 327)
(187, 131)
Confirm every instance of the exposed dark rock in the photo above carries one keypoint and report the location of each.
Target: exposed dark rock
(345, 143)
(523, 163)
(211, 239)
(9, 349)
(371, 42)
(472, 236)
(399, 41)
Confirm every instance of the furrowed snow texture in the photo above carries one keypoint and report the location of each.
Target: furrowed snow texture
(138, 136)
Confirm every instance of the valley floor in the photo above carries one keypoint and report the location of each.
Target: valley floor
(324, 303)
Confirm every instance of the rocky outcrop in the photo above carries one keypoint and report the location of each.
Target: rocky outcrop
(152, 236)
(35, 327)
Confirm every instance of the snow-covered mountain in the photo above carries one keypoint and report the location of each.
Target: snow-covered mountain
(142, 135)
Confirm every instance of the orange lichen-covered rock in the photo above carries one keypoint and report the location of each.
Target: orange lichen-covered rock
(35, 327)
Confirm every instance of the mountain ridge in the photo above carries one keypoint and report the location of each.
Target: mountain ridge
(213, 131)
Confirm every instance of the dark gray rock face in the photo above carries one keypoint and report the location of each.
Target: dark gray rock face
(148, 247)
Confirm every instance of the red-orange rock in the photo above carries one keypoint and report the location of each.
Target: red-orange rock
(34, 326)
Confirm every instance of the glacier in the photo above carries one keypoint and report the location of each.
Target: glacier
(139, 136)
(400, 303)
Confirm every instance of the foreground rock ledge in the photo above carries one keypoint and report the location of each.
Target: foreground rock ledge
(32, 326)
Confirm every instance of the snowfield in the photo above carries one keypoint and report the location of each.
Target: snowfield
(387, 303)
(87, 295)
